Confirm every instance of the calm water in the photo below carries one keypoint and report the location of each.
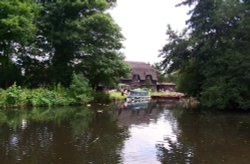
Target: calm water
(145, 133)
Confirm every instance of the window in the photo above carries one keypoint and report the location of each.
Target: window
(148, 77)
(136, 77)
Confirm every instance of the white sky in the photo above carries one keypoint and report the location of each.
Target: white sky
(144, 25)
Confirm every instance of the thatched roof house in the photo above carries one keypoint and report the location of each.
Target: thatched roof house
(142, 75)
(142, 70)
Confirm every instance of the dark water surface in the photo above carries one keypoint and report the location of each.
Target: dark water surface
(145, 133)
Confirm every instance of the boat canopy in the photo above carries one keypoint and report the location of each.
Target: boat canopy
(138, 93)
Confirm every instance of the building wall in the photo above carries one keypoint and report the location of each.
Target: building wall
(140, 84)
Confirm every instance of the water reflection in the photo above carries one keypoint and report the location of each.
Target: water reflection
(209, 138)
(136, 114)
(140, 112)
(148, 123)
(144, 133)
(22, 119)
(60, 136)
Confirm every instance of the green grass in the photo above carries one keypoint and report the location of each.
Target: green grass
(116, 96)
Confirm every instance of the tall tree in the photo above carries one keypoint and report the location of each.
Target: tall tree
(17, 28)
(78, 31)
(105, 69)
(161, 74)
(218, 50)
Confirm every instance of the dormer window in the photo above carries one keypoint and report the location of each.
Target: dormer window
(135, 77)
(148, 77)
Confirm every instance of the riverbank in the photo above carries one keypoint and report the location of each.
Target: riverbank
(78, 93)
(18, 97)
(115, 95)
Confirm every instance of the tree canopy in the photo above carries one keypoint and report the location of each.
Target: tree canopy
(17, 28)
(55, 38)
(212, 56)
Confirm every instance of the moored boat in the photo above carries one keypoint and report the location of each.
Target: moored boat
(138, 95)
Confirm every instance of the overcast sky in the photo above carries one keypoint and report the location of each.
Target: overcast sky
(144, 24)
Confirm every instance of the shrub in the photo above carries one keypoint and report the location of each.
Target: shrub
(80, 89)
(78, 93)
(102, 97)
(14, 96)
(62, 97)
(42, 97)
(2, 95)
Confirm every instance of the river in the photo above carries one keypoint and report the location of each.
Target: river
(147, 133)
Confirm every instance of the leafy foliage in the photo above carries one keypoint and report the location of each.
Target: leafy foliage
(212, 58)
(105, 69)
(79, 93)
(12, 95)
(80, 89)
(161, 74)
(84, 39)
(16, 22)
(43, 42)
(17, 28)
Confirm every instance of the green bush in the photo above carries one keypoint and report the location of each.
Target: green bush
(2, 97)
(45, 97)
(62, 97)
(78, 93)
(14, 96)
(102, 97)
(80, 89)
(42, 97)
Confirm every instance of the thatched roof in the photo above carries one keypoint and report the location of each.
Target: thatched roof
(142, 69)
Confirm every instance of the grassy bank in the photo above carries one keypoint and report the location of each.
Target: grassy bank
(17, 97)
(117, 96)
(107, 97)
(78, 93)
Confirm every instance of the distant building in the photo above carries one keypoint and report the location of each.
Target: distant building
(142, 75)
